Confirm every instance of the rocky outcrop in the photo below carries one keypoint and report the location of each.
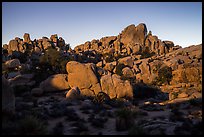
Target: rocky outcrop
(13, 46)
(133, 40)
(127, 61)
(26, 38)
(132, 34)
(54, 38)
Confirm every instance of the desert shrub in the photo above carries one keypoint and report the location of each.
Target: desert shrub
(146, 53)
(117, 102)
(21, 56)
(53, 60)
(108, 57)
(164, 76)
(119, 69)
(124, 112)
(142, 90)
(124, 119)
(30, 125)
(118, 56)
(130, 79)
(136, 130)
(101, 97)
(157, 67)
(175, 95)
(195, 102)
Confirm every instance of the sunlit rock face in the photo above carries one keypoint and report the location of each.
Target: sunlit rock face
(132, 34)
(83, 76)
(55, 83)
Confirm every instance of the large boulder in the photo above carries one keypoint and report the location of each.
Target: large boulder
(106, 41)
(13, 63)
(8, 97)
(26, 37)
(108, 86)
(122, 88)
(132, 34)
(145, 71)
(83, 76)
(55, 83)
(54, 38)
(152, 42)
(5, 46)
(127, 61)
(110, 66)
(13, 46)
(168, 43)
(46, 43)
(113, 86)
(24, 79)
(61, 42)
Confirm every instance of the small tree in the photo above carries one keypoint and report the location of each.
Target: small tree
(55, 60)
(165, 75)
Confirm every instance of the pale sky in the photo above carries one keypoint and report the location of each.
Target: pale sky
(78, 22)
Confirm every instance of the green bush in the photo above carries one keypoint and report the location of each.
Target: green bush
(146, 53)
(142, 90)
(119, 69)
(164, 76)
(124, 113)
(101, 97)
(124, 119)
(54, 60)
(108, 57)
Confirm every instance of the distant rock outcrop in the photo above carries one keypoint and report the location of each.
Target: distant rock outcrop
(110, 64)
(134, 35)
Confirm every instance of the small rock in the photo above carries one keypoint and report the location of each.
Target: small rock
(73, 93)
(37, 92)
(182, 95)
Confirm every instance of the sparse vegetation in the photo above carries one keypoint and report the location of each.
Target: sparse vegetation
(108, 57)
(136, 130)
(30, 125)
(164, 76)
(101, 97)
(142, 90)
(146, 53)
(54, 60)
(119, 69)
(124, 119)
